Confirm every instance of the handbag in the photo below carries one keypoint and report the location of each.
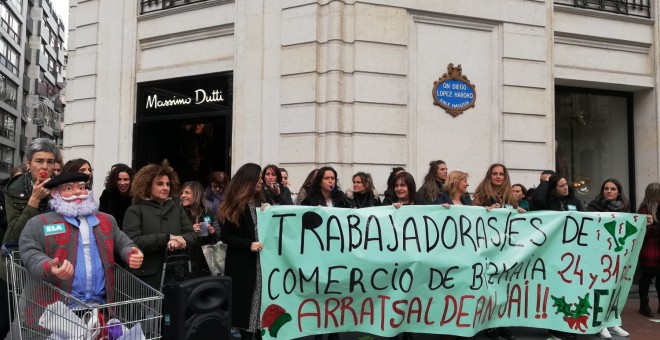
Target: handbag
(215, 255)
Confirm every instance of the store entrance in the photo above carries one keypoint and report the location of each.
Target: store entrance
(194, 148)
(186, 121)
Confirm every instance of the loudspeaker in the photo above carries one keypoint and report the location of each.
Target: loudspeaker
(197, 309)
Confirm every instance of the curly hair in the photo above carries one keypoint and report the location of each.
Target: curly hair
(454, 178)
(141, 184)
(113, 176)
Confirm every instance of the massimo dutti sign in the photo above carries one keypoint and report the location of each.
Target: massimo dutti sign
(197, 96)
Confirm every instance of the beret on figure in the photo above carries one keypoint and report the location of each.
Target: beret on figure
(66, 177)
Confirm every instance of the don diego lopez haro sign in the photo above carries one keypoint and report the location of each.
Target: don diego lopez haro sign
(453, 91)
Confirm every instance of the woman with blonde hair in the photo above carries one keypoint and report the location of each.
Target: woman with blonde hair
(202, 220)
(154, 222)
(239, 218)
(455, 190)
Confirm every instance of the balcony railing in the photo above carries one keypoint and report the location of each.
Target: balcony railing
(633, 8)
(148, 6)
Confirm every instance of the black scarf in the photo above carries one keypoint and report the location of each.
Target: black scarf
(28, 184)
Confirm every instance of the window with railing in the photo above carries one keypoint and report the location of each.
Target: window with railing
(633, 8)
(8, 57)
(6, 159)
(10, 23)
(8, 91)
(148, 6)
(7, 124)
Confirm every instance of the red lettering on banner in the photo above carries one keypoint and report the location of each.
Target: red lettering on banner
(346, 304)
(461, 313)
(444, 319)
(364, 312)
(331, 311)
(398, 311)
(316, 313)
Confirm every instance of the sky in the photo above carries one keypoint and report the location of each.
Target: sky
(62, 9)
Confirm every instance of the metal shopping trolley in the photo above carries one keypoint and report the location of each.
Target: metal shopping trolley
(43, 311)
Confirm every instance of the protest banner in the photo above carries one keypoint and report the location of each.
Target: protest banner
(430, 269)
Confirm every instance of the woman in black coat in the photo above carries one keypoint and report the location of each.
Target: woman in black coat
(364, 194)
(275, 193)
(116, 197)
(610, 199)
(238, 216)
(325, 191)
(555, 194)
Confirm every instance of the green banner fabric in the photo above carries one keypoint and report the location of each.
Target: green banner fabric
(430, 269)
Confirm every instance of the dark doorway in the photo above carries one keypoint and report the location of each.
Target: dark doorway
(176, 123)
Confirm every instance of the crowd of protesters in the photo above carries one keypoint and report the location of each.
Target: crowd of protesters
(163, 216)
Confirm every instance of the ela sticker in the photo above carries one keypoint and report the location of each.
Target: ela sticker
(54, 229)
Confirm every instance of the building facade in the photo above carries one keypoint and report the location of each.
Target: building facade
(32, 58)
(567, 85)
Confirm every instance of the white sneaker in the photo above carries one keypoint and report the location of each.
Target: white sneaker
(605, 334)
(616, 330)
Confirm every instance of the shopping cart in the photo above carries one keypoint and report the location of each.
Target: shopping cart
(43, 311)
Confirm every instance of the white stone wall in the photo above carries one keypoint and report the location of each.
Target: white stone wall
(348, 83)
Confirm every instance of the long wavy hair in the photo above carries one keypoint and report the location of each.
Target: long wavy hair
(455, 177)
(487, 191)
(275, 170)
(367, 180)
(141, 184)
(622, 197)
(239, 193)
(652, 200)
(433, 189)
(113, 177)
(315, 193)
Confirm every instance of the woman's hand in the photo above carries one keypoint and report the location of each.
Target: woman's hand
(494, 206)
(38, 192)
(397, 205)
(197, 227)
(264, 206)
(176, 242)
(446, 205)
(275, 188)
(649, 219)
(521, 210)
(256, 246)
(211, 230)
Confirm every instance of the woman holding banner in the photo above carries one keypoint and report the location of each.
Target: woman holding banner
(610, 199)
(404, 190)
(493, 192)
(455, 190)
(239, 218)
(432, 188)
(649, 256)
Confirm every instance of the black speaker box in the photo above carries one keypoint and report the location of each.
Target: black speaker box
(197, 309)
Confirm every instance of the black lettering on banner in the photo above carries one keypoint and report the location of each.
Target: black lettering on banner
(490, 225)
(373, 277)
(281, 225)
(533, 222)
(396, 237)
(578, 227)
(354, 226)
(410, 221)
(314, 277)
(310, 221)
(356, 279)
(465, 233)
(480, 225)
(329, 237)
(368, 228)
(445, 278)
(512, 238)
(506, 230)
(427, 222)
(331, 281)
(270, 279)
(444, 234)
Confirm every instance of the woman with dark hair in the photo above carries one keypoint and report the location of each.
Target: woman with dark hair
(304, 188)
(432, 188)
(201, 218)
(404, 190)
(325, 190)
(389, 191)
(275, 193)
(555, 194)
(494, 191)
(238, 214)
(364, 194)
(80, 165)
(154, 222)
(116, 197)
(610, 198)
(455, 190)
(214, 193)
(520, 195)
(649, 256)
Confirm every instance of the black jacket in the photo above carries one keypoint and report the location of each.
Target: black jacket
(542, 201)
(114, 203)
(364, 200)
